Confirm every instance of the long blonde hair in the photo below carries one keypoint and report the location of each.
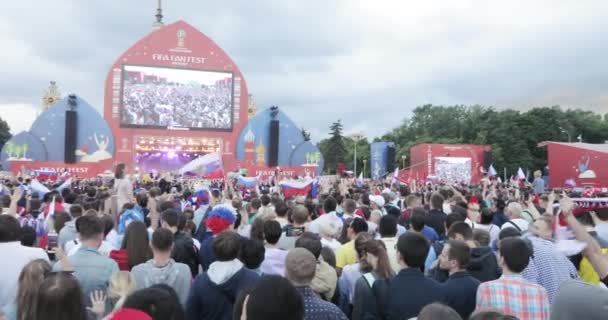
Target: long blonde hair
(122, 285)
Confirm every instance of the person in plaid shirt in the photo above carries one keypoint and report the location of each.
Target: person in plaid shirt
(511, 293)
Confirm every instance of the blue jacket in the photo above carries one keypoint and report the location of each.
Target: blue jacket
(210, 301)
(460, 292)
(408, 292)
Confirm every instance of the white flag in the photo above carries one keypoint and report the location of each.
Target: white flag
(491, 171)
(51, 213)
(520, 174)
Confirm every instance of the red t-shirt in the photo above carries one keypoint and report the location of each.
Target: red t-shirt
(122, 258)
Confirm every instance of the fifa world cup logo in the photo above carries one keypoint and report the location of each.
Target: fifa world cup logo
(181, 37)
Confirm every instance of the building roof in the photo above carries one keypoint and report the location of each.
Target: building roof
(587, 146)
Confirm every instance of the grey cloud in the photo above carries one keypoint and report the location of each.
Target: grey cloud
(292, 54)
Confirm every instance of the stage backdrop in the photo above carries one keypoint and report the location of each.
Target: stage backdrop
(425, 157)
(582, 163)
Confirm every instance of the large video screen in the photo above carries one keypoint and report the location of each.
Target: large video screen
(176, 98)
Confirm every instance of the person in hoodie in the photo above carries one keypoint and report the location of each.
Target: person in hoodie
(214, 293)
(274, 258)
(162, 269)
(482, 265)
(184, 250)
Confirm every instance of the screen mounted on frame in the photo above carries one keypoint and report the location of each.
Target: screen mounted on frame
(171, 98)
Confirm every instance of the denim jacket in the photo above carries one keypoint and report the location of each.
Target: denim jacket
(92, 269)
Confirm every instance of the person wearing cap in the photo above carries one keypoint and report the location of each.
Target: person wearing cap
(377, 203)
(347, 254)
(221, 218)
(300, 268)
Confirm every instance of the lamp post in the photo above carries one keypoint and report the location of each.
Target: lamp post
(403, 157)
(364, 162)
(356, 138)
(567, 133)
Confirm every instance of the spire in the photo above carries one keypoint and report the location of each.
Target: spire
(159, 16)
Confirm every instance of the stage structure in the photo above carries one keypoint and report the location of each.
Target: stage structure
(577, 164)
(171, 97)
(448, 163)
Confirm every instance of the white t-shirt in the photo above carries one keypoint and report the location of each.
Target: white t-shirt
(521, 223)
(333, 244)
(315, 226)
(15, 258)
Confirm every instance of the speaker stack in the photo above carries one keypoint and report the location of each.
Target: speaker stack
(273, 150)
(71, 131)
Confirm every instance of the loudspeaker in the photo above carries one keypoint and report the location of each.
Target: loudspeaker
(273, 150)
(71, 124)
(487, 159)
(390, 159)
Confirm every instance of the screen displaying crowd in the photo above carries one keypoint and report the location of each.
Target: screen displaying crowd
(167, 97)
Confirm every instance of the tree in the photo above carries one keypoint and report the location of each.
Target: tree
(333, 148)
(513, 135)
(5, 132)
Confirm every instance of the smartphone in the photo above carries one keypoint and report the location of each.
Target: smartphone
(294, 231)
(52, 239)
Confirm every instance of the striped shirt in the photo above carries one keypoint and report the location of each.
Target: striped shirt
(513, 295)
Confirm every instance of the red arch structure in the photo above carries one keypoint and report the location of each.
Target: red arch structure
(177, 45)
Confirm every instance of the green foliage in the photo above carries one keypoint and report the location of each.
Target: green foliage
(333, 148)
(513, 135)
(5, 133)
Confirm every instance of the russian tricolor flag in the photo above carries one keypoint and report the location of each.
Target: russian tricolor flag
(247, 181)
(209, 165)
(293, 188)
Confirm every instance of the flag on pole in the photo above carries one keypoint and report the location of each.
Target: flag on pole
(51, 214)
(491, 171)
(520, 174)
(247, 181)
(395, 175)
(360, 180)
(208, 165)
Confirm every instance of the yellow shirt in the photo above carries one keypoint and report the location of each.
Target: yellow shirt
(586, 271)
(346, 254)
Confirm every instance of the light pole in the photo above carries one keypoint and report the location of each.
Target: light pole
(364, 162)
(567, 133)
(356, 138)
(403, 161)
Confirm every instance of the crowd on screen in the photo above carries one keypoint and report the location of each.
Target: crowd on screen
(153, 103)
(376, 250)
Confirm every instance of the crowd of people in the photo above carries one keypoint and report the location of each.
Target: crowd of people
(177, 105)
(171, 249)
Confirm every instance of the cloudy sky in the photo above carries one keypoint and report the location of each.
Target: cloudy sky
(368, 63)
